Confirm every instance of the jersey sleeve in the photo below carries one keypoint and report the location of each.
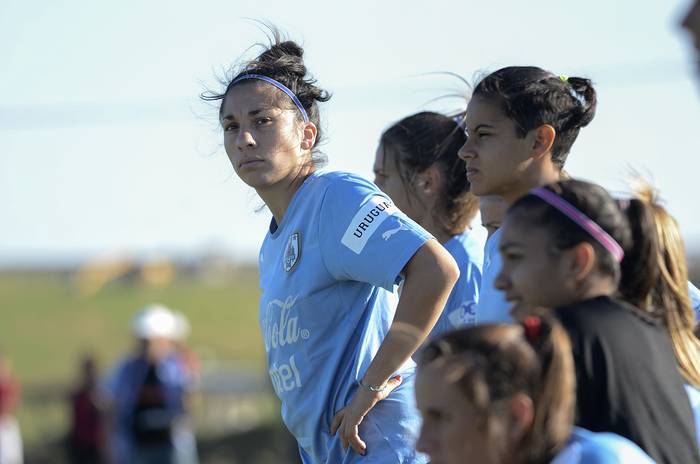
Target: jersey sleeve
(363, 236)
(587, 447)
(460, 309)
(609, 448)
(694, 294)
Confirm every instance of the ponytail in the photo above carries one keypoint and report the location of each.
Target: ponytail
(668, 297)
(554, 400)
(640, 266)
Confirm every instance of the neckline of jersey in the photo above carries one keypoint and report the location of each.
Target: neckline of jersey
(291, 208)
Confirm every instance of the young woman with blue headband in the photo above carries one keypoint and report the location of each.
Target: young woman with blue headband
(338, 348)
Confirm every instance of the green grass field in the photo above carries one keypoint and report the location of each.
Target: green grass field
(47, 326)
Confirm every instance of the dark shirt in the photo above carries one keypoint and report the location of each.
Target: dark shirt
(152, 420)
(628, 380)
(87, 431)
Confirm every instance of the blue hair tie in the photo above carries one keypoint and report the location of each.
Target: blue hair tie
(277, 84)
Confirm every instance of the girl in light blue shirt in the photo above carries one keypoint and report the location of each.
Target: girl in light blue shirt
(338, 346)
(416, 164)
(521, 123)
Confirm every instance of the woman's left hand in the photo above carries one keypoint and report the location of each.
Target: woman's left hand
(347, 421)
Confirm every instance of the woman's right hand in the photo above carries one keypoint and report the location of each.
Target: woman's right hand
(347, 421)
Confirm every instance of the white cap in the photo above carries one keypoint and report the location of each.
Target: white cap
(182, 325)
(155, 321)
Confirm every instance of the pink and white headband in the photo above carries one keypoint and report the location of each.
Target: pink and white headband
(586, 223)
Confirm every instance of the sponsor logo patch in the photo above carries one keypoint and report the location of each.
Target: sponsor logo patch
(366, 222)
(292, 251)
(281, 328)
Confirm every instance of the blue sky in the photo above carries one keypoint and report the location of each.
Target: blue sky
(105, 147)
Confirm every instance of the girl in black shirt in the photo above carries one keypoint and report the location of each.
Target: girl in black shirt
(564, 247)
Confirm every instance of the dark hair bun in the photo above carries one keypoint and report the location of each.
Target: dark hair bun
(281, 58)
(288, 47)
(584, 113)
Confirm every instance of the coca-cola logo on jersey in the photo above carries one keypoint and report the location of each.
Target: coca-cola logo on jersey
(281, 328)
(281, 325)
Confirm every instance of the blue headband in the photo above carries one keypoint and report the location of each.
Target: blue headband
(277, 84)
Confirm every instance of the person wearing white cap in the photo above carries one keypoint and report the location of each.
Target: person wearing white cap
(147, 390)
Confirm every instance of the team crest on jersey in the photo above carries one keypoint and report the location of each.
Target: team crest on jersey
(292, 252)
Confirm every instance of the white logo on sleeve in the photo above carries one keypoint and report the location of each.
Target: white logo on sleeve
(464, 315)
(389, 233)
(366, 222)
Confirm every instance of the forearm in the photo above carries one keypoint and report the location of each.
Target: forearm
(429, 277)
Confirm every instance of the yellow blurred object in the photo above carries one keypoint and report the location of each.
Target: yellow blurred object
(95, 274)
(158, 272)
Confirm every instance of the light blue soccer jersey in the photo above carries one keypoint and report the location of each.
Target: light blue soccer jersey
(328, 274)
(694, 294)
(694, 398)
(460, 309)
(586, 447)
(492, 306)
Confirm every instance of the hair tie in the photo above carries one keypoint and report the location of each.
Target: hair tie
(574, 93)
(277, 84)
(583, 221)
(532, 326)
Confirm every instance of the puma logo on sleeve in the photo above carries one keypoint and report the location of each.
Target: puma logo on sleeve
(391, 232)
